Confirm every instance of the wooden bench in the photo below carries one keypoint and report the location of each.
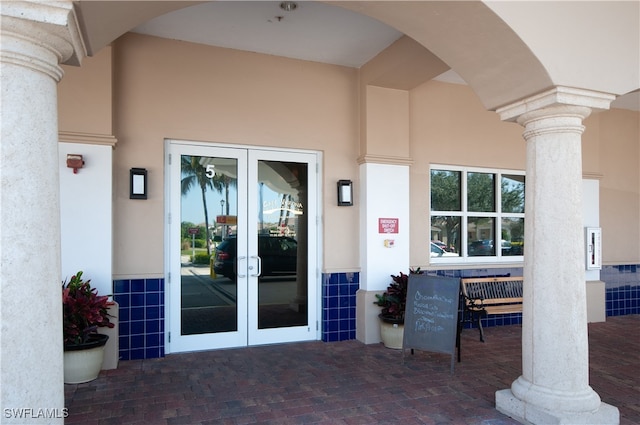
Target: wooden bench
(488, 296)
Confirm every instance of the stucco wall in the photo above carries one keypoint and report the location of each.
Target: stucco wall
(449, 125)
(171, 89)
(84, 96)
(85, 215)
(612, 141)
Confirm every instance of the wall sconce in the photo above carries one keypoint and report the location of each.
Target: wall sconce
(75, 161)
(138, 183)
(345, 193)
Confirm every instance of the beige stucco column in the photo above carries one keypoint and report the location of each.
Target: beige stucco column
(35, 38)
(554, 385)
(383, 193)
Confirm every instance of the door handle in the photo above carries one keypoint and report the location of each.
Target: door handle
(259, 262)
(237, 262)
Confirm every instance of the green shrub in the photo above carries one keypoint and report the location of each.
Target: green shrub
(201, 259)
(197, 243)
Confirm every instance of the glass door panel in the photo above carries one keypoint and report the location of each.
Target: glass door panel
(208, 300)
(282, 226)
(285, 263)
(209, 297)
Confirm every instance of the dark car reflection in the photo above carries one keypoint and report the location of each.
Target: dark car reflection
(278, 253)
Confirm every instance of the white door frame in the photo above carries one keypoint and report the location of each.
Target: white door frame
(172, 239)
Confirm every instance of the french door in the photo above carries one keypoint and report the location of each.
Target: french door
(242, 246)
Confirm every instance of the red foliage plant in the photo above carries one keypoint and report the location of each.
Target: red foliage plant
(84, 311)
(394, 300)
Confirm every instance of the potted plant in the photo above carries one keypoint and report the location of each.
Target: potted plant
(393, 302)
(83, 312)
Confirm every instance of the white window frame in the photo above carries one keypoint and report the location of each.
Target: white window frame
(464, 214)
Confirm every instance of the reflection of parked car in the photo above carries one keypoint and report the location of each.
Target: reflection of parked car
(517, 247)
(481, 247)
(436, 251)
(440, 245)
(279, 256)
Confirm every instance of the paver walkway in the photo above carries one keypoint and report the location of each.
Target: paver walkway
(344, 383)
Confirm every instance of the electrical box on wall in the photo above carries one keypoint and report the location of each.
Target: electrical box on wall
(593, 248)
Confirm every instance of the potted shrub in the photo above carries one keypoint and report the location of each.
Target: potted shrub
(393, 302)
(83, 312)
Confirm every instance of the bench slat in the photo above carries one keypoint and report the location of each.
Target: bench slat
(504, 309)
(490, 296)
(498, 301)
(488, 292)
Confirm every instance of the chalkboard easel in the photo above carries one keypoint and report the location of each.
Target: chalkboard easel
(431, 315)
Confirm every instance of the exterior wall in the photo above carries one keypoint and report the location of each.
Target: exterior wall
(86, 215)
(449, 125)
(613, 149)
(170, 89)
(85, 96)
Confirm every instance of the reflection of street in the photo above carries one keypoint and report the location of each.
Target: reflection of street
(200, 290)
(209, 304)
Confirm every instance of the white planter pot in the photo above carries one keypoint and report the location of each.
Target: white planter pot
(83, 365)
(391, 335)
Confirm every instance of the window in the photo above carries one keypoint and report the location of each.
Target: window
(470, 207)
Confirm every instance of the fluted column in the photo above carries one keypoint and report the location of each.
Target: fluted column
(35, 38)
(554, 385)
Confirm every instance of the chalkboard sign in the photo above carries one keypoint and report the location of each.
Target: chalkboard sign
(431, 315)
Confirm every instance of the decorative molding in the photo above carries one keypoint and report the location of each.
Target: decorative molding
(556, 96)
(341, 270)
(52, 25)
(87, 138)
(384, 159)
(592, 176)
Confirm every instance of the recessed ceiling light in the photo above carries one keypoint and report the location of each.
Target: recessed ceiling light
(288, 6)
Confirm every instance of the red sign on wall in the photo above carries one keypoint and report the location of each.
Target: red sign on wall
(388, 225)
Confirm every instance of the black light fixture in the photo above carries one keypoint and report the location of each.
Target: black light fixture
(138, 183)
(288, 6)
(345, 193)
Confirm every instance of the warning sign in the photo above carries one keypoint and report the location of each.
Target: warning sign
(227, 219)
(388, 225)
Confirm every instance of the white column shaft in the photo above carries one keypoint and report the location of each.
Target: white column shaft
(32, 43)
(554, 385)
(554, 317)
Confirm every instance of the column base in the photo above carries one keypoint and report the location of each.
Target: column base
(528, 413)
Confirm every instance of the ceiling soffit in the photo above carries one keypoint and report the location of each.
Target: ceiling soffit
(470, 39)
(402, 66)
(104, 21)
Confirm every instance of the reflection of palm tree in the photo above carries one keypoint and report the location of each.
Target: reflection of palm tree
(195, 174)
(222, 182)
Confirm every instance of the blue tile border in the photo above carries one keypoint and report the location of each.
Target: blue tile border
(141, 329)
(339, 306)
(622, 286)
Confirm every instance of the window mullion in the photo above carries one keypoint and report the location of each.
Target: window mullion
(464, 219)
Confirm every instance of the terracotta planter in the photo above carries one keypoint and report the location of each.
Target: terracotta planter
(82, 363)
(391, 333)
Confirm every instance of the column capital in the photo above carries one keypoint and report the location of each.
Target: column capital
(557, 100)
(41, 35)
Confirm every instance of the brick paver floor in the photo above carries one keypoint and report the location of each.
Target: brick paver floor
(344, 383)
